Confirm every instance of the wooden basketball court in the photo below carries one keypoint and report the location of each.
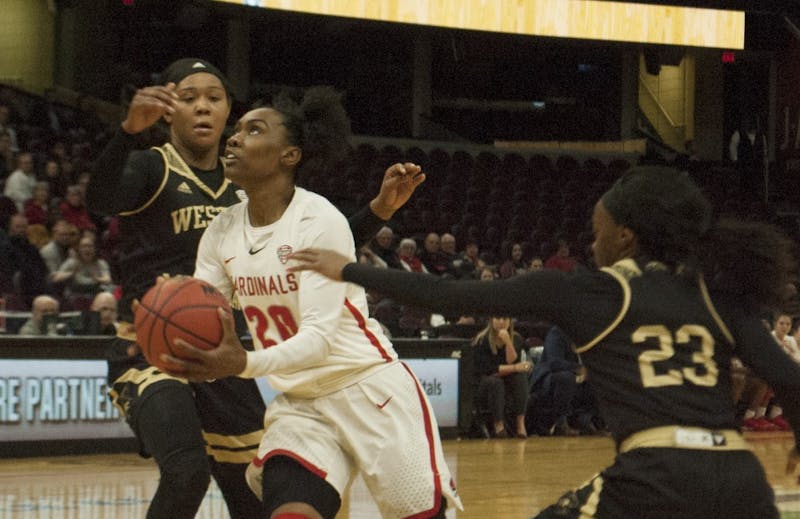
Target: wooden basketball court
(506, 479)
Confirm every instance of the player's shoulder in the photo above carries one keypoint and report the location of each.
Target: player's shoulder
(148, 158)
(229, 217)
(316, 206)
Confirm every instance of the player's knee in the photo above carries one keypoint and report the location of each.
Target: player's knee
(286, 481)
(189, 481)
(190, 474)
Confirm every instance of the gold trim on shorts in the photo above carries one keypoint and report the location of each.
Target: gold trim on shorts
(233, 448)
(678, 437)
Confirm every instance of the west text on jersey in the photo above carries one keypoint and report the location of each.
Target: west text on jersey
(193, 217)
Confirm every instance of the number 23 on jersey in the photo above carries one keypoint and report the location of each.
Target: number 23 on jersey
(703, 358)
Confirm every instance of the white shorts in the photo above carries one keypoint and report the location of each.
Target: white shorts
(382, 426)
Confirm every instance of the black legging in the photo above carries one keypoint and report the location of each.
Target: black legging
(169, 429)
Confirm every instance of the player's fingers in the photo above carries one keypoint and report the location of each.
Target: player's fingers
(307, 252)
(226, 320)
(134, 305)
(412, 169)
(305, 257)
(148, 101)
(395, 170)
(172, 365)
(161, 93)
(187, 350)
(182, 369)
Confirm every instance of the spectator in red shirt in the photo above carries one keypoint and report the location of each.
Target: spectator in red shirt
(408, 256)
(73, 209)
(561, 260)
(37, 208)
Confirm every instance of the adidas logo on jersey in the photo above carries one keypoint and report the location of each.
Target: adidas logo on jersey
(184, 188)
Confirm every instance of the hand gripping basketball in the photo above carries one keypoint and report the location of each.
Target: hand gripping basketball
(179, 308)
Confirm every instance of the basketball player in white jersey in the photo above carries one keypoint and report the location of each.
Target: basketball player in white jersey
(347, 403)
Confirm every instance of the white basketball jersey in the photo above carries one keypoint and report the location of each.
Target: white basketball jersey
(312, 335)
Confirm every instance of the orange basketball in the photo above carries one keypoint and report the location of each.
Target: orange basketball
(183, 308)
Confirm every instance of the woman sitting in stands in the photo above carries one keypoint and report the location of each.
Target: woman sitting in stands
(503, 385)
(85, 275)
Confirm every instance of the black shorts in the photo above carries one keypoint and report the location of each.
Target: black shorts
(664, 483)
(231, 410)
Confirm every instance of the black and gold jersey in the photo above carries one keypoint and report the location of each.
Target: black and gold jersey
(160, 235)
(665, 359)
(656, 347)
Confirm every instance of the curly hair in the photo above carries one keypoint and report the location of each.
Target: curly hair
(753, 262)
(673, 223)
(317, 124)
(664, 208)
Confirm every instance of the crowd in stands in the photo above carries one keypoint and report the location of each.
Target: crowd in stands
(479, 215)
(49, 242)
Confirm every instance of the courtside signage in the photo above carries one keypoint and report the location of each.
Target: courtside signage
(439, 381)
(57, 400)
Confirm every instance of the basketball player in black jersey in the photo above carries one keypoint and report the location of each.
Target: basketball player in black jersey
(676, 296)
(164, 198)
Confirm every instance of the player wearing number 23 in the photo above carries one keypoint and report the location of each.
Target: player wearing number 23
(675, 297)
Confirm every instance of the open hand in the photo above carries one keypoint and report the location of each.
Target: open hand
(196, 364)
(327, 262)
(399, 183)
(148, 105)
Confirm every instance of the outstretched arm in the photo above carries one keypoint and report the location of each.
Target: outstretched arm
(541, 293)
(399, 183)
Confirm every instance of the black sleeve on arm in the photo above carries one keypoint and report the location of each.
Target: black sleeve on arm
(364, 225)
(541, 294)
(759, 350)
(117, 184)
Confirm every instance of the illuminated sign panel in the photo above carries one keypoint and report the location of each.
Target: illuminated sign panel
(582, 19)
(67, 399)
(57, 400)
(438, 378)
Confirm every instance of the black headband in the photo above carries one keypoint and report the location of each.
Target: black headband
(181, 68)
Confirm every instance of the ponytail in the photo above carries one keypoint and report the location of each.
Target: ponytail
(751, 262)
(318, 124)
